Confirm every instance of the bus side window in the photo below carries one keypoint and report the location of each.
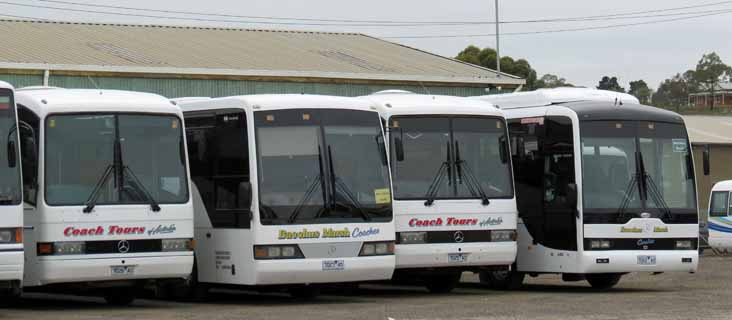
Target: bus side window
(218, 154)
(29, 130)
(719, 205)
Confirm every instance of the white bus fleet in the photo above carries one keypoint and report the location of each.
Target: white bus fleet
(605, 186)
(11, 204)
(106, 191)
(453, 192)
(290, 191)
(719, 219)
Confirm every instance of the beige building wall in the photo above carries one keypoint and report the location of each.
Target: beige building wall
(720, 169)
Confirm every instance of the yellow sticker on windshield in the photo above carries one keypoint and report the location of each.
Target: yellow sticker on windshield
(52, 123)
(382, 196)
(174, 125)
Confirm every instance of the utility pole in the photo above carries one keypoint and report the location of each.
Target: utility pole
(498, 44)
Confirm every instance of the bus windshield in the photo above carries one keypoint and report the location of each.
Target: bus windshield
(472, 150)
(9, 163)
(320, 166)
(129, 158)
(631, 167)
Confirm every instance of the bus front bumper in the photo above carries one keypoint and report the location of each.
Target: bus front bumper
(11, 263)
(68, 269)
(638, 261)
(438, 255)
(307, 271)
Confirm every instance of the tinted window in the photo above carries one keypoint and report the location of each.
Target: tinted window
(719, 205)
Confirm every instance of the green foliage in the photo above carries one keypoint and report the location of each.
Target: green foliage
(710, 71)
(610, 83)
(674, 92)
(487, 58)
(551, 81)
(641, 91)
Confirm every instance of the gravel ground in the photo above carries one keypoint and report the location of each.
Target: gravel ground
(638, 296)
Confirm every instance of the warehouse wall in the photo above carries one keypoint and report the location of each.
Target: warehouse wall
(171, 87)
(720, 158)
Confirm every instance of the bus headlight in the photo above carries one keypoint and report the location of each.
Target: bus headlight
(600, 244)
(169, 245)
(412, 237)
(13, 235)
(377, 248)
(61, 248)
(503, 235)
(287, 251)
(684, 244)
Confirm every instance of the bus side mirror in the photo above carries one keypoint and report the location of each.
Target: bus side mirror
(399, 149)
(12, 155)
(705, 160)
(245, 195)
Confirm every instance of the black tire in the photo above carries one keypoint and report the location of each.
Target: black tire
(502, 280)
(603, 280)
(120, 296)
(442, 283)
(192, 290)
(304, 292)
(9, 297)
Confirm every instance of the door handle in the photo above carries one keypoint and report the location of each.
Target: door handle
(29, 228)
(208, 235)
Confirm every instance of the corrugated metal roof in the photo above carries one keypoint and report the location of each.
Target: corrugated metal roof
(709, 129)
(226, 51)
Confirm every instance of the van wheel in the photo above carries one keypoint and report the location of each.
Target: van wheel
(442, 283)
(304, 292)
(603, 280)
(503, 279)
(120, 296)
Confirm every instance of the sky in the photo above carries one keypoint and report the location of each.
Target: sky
(651, 52)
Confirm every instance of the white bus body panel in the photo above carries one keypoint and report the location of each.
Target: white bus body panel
(56, 223)
(720, 228)
(500, 214)
(11, 255)
(226, 256)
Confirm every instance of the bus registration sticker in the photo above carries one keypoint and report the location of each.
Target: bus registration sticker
(382, 196)
(647, 260)
(122, 270)
(330, 265)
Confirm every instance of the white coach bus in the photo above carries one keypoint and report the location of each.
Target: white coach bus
(605, 186)
(719, 217)
(106, 191)
(290, 191)
(453, 192)
(11, 204)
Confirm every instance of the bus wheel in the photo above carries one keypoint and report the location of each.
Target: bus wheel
(10, 296)
(304, 292)
(603, 280)
(120, 296)
(502, 279)
(442, 283)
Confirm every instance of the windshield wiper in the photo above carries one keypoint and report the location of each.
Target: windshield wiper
(121, 169)
(473, 183)
(651, 189)
(437, 180)
(153, 204)
(337, 182)
(91, 201)
(634, 182)
(311, 189)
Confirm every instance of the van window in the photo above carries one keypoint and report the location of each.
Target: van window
(719, 205)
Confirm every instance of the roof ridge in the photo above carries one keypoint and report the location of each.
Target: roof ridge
(173, 26)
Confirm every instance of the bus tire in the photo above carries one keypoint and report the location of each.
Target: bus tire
(442, 283)
(120, 296)
(192, 290)
(502, 279)
(603, 280)
(304, 292)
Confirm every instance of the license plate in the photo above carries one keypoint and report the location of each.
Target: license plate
(122, 270)
(647, 260)
(329, 265)
(457, 257)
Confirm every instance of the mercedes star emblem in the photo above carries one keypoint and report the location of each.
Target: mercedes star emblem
(123, 246)
(459, 236)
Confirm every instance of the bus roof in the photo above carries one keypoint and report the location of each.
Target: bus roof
(546, 97)
(275, 102)
(47, 100)
(390, 103)
(725, 185)
(5, 85)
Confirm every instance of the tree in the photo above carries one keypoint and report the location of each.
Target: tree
(710, 71)
(486, 57)
(641, 91)
(551, 81)
(674, 92)
(608, 83)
